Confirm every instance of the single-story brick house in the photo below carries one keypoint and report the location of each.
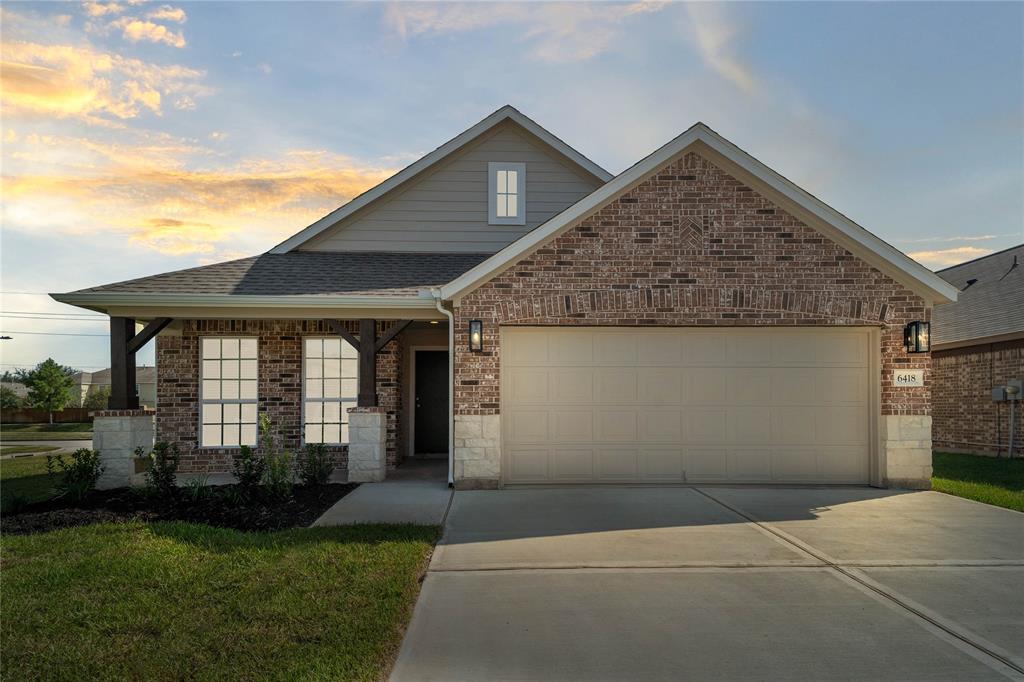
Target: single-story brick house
(509, 304)
(978, 345)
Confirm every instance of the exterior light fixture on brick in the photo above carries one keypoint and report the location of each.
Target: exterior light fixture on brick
(476, 336)
(917, 337)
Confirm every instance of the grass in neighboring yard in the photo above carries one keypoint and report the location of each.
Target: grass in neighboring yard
(174, 601)
(23, 432)
(994, 480)
(25, 480)
(20, 449)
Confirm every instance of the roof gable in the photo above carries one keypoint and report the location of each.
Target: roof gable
(701, 139)
(431, 161)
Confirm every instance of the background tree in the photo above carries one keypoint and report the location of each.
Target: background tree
(97, 399)
(9, 400)
(49, 386)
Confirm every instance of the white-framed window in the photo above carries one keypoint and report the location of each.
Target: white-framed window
(330, 384)
(506, 190)
(228, 391)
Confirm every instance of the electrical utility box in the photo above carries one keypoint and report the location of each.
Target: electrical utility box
(1001, 394)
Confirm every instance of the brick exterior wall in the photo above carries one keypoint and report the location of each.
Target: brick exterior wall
(964, 417)
(689, 246)
(280, 386)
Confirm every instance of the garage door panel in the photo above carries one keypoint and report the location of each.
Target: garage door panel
(750, 465)
(706, 425)
(695, 405)
(615, 348)
(748, 386)
(706, 464)
(662, 385)
(661, 464)
(528, 425)
(572, 425)
(705, 386)
(527, 386)
(529, 464)
(573, 385)
(616, 425)
(660, 426)
(572, 464)
(661, 348)
(615, 464)
(749, 425)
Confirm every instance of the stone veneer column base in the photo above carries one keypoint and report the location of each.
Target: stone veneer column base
(367, 456)
(906, 451)
(116, 434)
(477, 451)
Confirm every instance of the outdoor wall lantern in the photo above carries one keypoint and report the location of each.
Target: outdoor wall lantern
(476, 336)
(916, 337)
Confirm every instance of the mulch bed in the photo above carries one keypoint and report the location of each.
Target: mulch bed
(222, 506)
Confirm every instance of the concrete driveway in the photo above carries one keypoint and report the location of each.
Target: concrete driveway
(720, 583)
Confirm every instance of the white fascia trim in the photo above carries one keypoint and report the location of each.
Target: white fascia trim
(929, 282)
(462, 139)
(238, 301)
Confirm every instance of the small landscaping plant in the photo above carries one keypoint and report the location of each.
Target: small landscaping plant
(77, 478)
(197, 488)
(279, 478)
(249, 467)
(315, 465)
(162, 473)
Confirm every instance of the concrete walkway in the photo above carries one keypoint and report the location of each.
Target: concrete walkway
(723, 583)
(417, 492)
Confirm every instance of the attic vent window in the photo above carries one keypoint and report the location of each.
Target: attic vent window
(506, 189)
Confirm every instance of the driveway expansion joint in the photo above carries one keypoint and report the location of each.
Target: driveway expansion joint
(850, 572)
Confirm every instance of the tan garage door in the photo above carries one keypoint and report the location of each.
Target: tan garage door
(586, 405)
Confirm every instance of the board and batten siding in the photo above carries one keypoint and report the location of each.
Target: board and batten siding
(444, 209)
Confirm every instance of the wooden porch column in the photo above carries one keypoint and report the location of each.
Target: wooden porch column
(368, 345)
(122, 365)
(367, 363)
(124, 344)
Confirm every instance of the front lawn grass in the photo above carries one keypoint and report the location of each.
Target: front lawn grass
(29, 432)
(994, 480)
(24, 480)
(167, 601)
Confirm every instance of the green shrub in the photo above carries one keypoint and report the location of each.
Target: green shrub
(315, 465)
(76, 478)
(162, 473)
(249, 467)
(197, 487)
(280, 476)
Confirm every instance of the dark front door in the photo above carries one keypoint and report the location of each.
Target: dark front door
(431, 389)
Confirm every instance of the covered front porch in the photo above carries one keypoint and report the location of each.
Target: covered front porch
(375, 392)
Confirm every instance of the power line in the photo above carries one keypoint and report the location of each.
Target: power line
(45, 312)
(53, 319)
(56, 334)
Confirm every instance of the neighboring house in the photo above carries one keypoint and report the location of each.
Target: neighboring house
(145, 384)
(695, 318)
(19, 389)
(977, 345)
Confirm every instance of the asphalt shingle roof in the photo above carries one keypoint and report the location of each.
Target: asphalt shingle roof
(308, 273)
(992, 306)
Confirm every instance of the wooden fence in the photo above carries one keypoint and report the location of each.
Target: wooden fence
(31, 415)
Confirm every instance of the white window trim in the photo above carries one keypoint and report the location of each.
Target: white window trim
(492, 192)
(340, 399)
(227, 401)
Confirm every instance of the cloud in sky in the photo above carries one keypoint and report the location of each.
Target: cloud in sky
(101, 9)
(557, 31)
(941, 258)
(83, 82)
(715, 35)
(168, 13)
(136, 30)
(174, 196)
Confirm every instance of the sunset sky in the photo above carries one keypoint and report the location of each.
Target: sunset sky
(143, 137)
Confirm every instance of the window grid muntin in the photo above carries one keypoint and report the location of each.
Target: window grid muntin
(330, 384)
(229, 391)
